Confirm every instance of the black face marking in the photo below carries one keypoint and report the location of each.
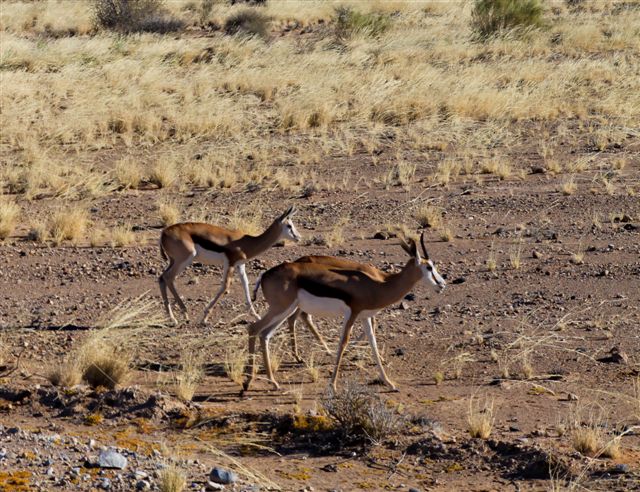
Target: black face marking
(207, 244)
(321, 290)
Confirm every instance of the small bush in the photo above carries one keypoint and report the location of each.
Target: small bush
(134, 16)
(108, 368)
(490, 17)
(66, 374)
(249, 22)
(350, 22)
(360, 413)
(172, 479)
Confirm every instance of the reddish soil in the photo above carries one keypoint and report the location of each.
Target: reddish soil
(573, 316)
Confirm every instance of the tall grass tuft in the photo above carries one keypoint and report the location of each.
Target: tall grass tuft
(490, 17)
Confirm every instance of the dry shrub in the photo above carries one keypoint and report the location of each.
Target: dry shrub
(172, 479)
(134, 16)
(68, 224)
(235, 360)
(164, 174)
(122, 235)
(128, 173)
(169, 212)
(569, 187)
(249, 22)
(480, 418)
(106, 366)
(191, 373)
(349, 22)
(360, 413)
(490, 17)
(429, 216)
(67, 373)
(9, 212)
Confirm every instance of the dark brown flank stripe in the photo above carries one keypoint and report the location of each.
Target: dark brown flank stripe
(207, 244)
(321, 290)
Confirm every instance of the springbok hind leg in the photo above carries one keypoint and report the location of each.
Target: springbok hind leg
(227, 277)
(344, 340)
(291, 322)
(306, 318)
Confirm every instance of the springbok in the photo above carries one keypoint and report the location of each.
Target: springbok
(338, 263)
(321, 289)
(183, 243)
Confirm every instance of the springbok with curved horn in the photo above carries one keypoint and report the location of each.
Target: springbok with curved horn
(320, 289)
(339, 263)
(188, 241)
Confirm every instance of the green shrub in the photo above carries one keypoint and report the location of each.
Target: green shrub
(248, 21)
(490, 17)
(134, 16)
(349, 22)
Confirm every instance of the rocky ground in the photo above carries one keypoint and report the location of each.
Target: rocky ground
(543, 341)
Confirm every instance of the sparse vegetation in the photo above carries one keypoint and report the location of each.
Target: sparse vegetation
(480, 418)
(190, 374)
(9, 212)
(490, 17)
(429, 216)
(172, 478)
(133, 16)
(68, 224)
(350, 22)
(249, 22)
(361, 413)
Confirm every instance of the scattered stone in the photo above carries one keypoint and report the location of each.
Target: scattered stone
(572, 397)
(143, 485)
(381, 235)
(404, 305)
(220, 475)
(105, 483)
(110, 458)
(330, 467)
(616, 356)
(459, 280)
(214, 486)
(620, 468)
(537, 254)
(399, 352)
(410, 296)
(538, 170)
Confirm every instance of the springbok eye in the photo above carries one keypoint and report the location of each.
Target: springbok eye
(429, 267)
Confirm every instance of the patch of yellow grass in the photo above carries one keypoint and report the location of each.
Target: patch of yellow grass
(128, 173)
(172, 478)
(480, 418)
(429, 216)
(190, 374)
(68, 224)
(122, 235)
(9, 213)
(169, 212)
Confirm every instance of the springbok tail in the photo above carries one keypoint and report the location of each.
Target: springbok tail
(256, 287)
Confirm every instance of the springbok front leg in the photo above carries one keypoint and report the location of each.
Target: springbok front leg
(344, 340)
(242, 273)
(371, 335)
(227, 277)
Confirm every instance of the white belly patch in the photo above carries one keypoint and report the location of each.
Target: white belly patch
(322, 306)
(208, 257)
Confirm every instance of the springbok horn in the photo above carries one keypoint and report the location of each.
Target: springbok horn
(424, 249)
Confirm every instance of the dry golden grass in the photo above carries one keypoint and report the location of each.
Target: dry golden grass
(577, 257)
(429, 216)
(569, 186)
(122, 235)
(235, 360)
(492, 259)
(172, 478)
(586, 440)
(446, 234)
(515, 256)
(480, 418)
(67, 373)
(169, 212)
(9, 213)
(190, 374)
(68, 224)
(128, 173)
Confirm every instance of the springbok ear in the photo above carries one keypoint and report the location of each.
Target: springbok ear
(289, 213)
(424, 249)
(410, 247)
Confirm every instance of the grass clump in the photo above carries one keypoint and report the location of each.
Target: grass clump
(122, 235)
(490, 17)
(133, 16)
(360, 413)
(9, 212)
(172, 479)
(106, 367)
(349, 22)
(249, 22)
(429, 216)
(128, 174)
(67, 374)
(68, 224)
(190, 375)
(480, 418)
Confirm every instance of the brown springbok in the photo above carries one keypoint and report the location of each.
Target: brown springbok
(321, 289)
(183, 243)
(339, 263)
